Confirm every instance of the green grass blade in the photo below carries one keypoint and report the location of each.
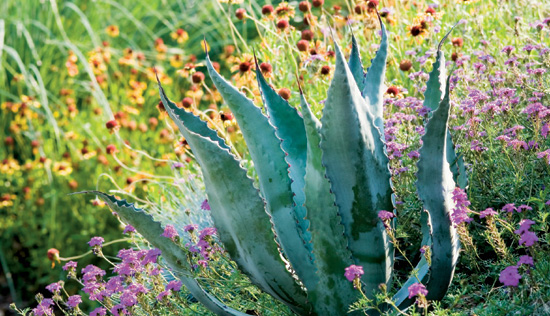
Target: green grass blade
(357, 168)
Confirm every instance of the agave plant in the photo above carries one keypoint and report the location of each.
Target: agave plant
(321, 186)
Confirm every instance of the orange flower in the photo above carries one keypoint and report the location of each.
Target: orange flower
(180, 35)
(112, 30)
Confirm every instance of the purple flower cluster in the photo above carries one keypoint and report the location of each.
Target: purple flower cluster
(353, 272)
(204, 248)
(460, 212)
(170, 232)
(417, 289)
(527, 237)
(44, 308)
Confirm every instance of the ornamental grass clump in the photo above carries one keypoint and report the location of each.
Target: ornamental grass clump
(322, 185)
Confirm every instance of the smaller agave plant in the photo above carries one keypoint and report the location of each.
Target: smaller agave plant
(321, 187)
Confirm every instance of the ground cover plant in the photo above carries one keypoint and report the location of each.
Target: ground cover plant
(499, 123)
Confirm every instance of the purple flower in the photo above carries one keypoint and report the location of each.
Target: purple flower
(54, 288)
(208, 231)
(487, 212)
(128, 298)
(413, 154)
(417, 289)
(460, 211)
(353, 272)
(151, 256)
(528, 238)
(162, 295)
(128, 229)
(44, 308)
(524, 226)
(190, 227)
(524, 207)
(177, 165)
(510, 276)
(385, 215)
(118, 310)
(74, 300)
(170, 232)
(510, 207)
(544, 154)
(205, 206)
(100, 311)
(173, 285)
(69, 265)
(508, 49)
(525, 260)
(96, 241)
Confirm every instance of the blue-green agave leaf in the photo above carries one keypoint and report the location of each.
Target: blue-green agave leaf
(356, 65)
(175, 257)
(435, 91)
(191, 122)
(272, 169)
(420, 273)
(243, 225)
(373, 90)
(333, 294)
(435, 186)
(357, 168)
(289, 128)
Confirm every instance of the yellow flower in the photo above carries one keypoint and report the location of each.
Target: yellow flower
(112, 30)
(180, 35)
(62, 168)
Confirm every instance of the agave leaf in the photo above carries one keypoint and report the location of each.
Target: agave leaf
(243, 225)
(435, 186)
(289, 128)
(333, 294)
(357, 168)
(272, 169)
(356, 65)
(174, 256)
(420, 273)
(374, 80)
(184, 119)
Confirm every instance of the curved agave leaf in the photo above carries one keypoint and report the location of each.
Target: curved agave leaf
(333, 294)
(435, 91)
(272, 169)
(238, 212)
(420, 272)
(374, 80)
(187, 120)
(172, 253)
(435, 185)
(356, 65)
(289, 128)
(357, 168)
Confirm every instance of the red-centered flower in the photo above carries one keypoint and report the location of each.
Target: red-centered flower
(417, 289)
(353, 272)
(510, 276)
